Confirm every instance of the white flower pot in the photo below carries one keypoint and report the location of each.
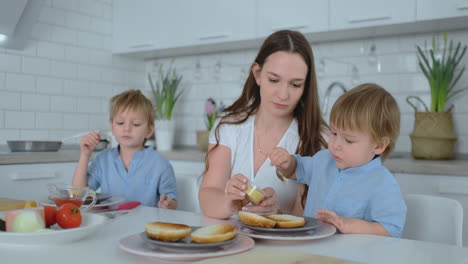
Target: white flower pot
(165, 130)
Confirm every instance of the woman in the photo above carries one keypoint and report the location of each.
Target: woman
(278, 107)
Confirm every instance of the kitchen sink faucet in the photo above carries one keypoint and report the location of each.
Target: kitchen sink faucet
(328, 92)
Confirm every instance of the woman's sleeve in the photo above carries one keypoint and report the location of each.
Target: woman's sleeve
(226, 134)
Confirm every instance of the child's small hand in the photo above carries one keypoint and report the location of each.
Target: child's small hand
(89, 142)
(166, 202)
(281, 159)
(332, 218)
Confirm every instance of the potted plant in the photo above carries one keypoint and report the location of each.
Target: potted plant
(211, 113)
(433, 135)
(165, 94)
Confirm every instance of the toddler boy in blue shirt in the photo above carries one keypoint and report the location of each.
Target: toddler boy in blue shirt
(130, 170)
(348, 185)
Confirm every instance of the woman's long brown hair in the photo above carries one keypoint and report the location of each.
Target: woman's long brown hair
(307, 112)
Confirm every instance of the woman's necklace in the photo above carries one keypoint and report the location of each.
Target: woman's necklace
(260, 146)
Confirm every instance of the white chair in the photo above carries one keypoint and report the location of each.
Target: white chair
(434, 219)
(187, 193)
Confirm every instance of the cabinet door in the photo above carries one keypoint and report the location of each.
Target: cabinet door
(29, 181)
(301, 15)
(149, 25)
(435, 9)
(215, 21)
(363, 13)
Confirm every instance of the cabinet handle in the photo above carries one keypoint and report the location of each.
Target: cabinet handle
(142, 45)
(462, 6)
(32, 175)
(368, 19)
(214, 36)
(288, 27)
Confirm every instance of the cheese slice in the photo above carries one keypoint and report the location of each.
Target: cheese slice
(11, 204)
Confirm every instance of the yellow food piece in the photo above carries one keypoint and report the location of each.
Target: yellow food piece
(30, 204)
(254, 195)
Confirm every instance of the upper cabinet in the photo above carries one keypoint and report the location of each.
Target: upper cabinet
(302, 15)
(160, 24)
(161, 28)
(436, 9)
(345, 14)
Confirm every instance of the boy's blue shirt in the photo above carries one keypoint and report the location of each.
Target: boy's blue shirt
(149, 176)
(369, 192)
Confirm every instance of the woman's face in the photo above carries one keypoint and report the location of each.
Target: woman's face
(281, 80)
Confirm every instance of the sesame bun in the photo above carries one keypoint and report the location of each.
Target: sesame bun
(287, 221)
(252, 219)
(213, 234)
(167, 231)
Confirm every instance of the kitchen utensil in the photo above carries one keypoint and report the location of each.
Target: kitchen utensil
(65, 193)
(103, 143)
(33, 145)
(280, 175)
(124, 206)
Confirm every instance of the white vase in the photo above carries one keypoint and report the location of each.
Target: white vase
(165, 130)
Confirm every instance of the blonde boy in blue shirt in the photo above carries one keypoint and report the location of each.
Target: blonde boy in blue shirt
(130, 170)
(348, 186)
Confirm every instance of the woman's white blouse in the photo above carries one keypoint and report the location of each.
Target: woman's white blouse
(239, 139)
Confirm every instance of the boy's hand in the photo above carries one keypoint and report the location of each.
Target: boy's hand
(283, 161)
(89, 142)
(166, 202)
(332, 218)
(269, 205)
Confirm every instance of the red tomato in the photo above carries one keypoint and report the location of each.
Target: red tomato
(50, 214)
(68, 216)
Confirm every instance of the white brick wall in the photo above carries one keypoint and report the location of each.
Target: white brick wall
(61, 83)
(399, 73)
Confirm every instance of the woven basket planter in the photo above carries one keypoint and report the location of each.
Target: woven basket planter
(433, 136)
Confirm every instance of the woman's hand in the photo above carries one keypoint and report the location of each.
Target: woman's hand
(269, 205)
(332, 218)
(89, 142)
(236, 186)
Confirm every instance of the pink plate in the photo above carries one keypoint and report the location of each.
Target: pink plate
(135, 245)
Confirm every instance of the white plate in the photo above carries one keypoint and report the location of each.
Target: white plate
(135, 245)
(109, 202)
(89, 225)
(324, 230)
(310, 223)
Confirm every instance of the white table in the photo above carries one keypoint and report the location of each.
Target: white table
(103, 247)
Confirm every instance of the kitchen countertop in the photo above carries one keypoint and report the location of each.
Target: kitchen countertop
(396, 163)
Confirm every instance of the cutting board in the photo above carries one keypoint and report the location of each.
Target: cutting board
(275, 256)
(11, 204)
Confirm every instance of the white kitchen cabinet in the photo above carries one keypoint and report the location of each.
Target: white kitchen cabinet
(436, 9)
(29, 181)
(345, 14)
(158, 24)
(301, 15)
(454, 187)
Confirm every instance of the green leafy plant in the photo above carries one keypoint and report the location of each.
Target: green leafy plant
(439, 65)
(165, 91)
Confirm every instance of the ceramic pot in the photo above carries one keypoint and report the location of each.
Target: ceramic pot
(164, 132)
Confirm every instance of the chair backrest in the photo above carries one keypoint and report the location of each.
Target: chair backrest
(434, 219)
(187, 192)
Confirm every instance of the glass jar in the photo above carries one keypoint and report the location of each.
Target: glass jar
(254, 193)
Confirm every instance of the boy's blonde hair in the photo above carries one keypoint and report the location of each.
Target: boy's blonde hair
(132, 100)
(368, 108)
